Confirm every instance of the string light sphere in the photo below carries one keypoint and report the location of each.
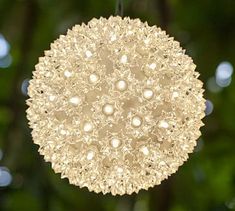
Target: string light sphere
(115, 105)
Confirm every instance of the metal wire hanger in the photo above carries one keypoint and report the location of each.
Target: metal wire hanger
(119, 8)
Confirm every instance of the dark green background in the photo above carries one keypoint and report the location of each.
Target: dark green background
(205, 28)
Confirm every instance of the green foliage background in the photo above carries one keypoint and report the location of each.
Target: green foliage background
(206, 29)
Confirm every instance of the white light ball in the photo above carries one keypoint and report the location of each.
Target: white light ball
(115, 105)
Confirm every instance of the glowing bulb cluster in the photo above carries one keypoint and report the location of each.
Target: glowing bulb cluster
(115, 105)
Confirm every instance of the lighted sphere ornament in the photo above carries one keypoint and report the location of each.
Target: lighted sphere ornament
(115, 105)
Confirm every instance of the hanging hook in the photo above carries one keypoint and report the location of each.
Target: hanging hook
(119, 8)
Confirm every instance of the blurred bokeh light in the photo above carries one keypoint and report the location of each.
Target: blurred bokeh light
(24, 87)
(1, 154)
(223, 74)
(209, 107)
(5, 177)
(5, 57)
(4, 47)
(6, 61)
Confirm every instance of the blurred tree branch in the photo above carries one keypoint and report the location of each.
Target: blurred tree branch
(16, 98)
(163, 9)
(160, 197)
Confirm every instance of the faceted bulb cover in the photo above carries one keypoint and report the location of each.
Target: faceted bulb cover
(115, 105)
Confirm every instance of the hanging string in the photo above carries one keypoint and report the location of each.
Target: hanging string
(119, 8)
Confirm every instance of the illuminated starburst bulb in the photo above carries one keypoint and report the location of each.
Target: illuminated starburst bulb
(115, 105)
